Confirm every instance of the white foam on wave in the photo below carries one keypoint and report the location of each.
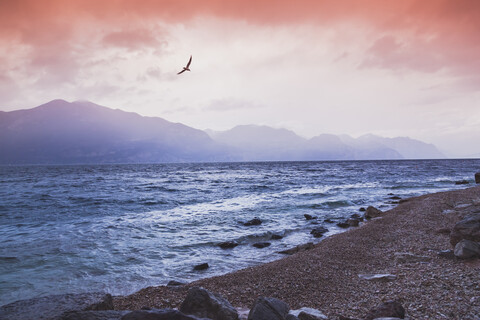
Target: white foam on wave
(194, 211)
(307, 190)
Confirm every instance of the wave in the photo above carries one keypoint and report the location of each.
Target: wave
(334, 204)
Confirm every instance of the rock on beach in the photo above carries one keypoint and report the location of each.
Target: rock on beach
(319, 232)
(372, 212)
(467, 249)
(468, 228)
(203, 303)
(266, 308)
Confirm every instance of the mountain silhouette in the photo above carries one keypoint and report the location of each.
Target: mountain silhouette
(61, 132)
(83, 132)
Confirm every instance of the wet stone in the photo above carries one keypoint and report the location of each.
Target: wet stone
(202, 266)
(261, 245)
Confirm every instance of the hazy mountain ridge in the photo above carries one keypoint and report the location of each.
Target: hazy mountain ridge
(61, 132)
(254, 142)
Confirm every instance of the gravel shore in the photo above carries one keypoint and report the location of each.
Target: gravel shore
(327, 276)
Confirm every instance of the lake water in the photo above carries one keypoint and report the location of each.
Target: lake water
(119, 228)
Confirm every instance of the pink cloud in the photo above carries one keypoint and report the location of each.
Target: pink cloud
(133, 39)
(388, 53)
(426, 36)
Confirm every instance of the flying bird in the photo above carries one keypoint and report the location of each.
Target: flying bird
(188, 65)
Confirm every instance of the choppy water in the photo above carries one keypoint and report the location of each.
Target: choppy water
(120, 228)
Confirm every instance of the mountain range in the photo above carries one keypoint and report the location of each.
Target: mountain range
(61, 132)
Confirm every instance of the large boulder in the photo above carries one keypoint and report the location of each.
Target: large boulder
(468, 228)
(372, 212)
(269, 309)
(159, 314)
(203, 303)
(477, 177)
(390, 309)
(53, 307)
(467, 249)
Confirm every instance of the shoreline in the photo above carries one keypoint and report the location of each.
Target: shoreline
(326, 277)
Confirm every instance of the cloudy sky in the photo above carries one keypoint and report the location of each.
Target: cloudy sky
(392, 68)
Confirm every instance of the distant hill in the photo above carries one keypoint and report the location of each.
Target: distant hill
(83, 132)
(260, 143)
(61, 132)
(251, 142)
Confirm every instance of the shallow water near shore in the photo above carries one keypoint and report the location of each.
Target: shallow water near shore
(119, 228)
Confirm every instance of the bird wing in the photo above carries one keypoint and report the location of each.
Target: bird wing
(189, 61)
(182, 71)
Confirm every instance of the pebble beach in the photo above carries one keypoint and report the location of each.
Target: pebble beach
(392, 257)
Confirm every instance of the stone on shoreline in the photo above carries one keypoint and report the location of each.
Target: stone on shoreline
(268, 309)
(203, 303)
(372, 212)
(447, 254)
(343, 225)
(202, 266)
(228, 244)
(382, 277)
(309, 217)
(173, 283)
(356, 216)
(254, 222)
(468, 228)
(299, 248)
(390, 309)
(51, 307)
(477, 177)
(461, 182)
(308, 314)
(261, 245)
(319, 232)
(276, 237)
(467, 249)
(353, 222)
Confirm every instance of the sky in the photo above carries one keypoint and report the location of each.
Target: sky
(391, 68)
